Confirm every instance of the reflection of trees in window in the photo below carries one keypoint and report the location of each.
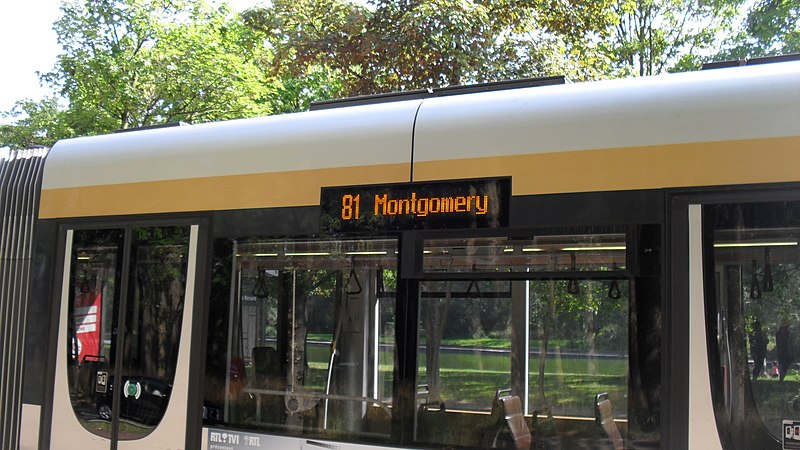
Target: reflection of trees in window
(586, 325)
(156, 306)
(474, 314)
(588, 321)
(434, 319)
(755, 277)
(782, 302)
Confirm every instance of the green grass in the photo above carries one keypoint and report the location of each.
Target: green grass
(773, 400)
(471, 378)
(478, 342)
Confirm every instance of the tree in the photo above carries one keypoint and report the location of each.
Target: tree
(655, 36)
(131, 63)
(772, 27)
(38, 123)
(405, 45)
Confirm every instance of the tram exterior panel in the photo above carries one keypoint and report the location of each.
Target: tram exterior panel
(656, 219)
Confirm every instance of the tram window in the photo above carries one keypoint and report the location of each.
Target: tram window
(464, 358)
(753, 286)
(94, 293)
(550, 345)
(301, 337)
(588, 252)
(153, 306)
(578, 346)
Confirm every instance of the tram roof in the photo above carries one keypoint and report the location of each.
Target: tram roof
(727, 104)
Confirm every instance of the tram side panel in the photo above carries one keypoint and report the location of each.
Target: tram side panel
(39, 336)
(523, 163)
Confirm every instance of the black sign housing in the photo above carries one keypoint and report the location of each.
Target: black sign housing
(468, 203)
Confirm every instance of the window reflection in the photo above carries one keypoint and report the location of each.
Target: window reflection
(578, 347)
(755, 260)
(589, 252)
(470, 345)
(464, 342)
(153, 322)
(148, 333)
(94, 293)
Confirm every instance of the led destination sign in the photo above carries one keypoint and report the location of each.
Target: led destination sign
(477, 203)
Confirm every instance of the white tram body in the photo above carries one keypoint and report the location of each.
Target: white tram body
(682, 191)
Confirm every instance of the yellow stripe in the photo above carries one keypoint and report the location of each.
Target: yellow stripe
(680, 165)
(265, 190)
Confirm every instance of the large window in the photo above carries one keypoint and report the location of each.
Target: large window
(302, 337)
(549, 338)
(537, 328)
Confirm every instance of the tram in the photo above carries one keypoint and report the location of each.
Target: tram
(612, 264)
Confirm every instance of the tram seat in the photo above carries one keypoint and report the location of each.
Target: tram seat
(266, 368)
(267, 375)
(377, 420)
(432, 421)
(605, 420)
(508, 410)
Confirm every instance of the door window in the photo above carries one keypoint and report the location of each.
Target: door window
(95, 283)
(138, 313)
(752, 285)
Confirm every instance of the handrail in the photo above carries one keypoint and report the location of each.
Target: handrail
(317, 396)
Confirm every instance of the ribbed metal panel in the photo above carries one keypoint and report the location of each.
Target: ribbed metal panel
(20, 180)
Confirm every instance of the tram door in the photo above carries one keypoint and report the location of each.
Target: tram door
(127, 299)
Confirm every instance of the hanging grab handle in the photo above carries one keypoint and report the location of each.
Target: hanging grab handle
(85, 283)
(755, 288)
(613, 290)
(353, 278)
(379, 287)
(260, 289)
(768, 285)
(572, 285)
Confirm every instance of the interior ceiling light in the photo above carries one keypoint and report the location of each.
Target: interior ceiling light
(755, 244)
(308, 254)
(597, 248)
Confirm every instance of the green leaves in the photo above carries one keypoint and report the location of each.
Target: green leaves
(655, 36)
(771, 27)
(403, 45)
(38, 124)
(130, 63)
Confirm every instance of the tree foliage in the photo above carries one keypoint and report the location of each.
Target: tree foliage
(771, 27)
(403, 45)
(655, 36)
(130, 63)
(37, 124)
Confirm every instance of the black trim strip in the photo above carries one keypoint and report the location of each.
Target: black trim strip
(413, 142)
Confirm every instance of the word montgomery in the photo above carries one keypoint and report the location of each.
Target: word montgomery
(416, 206)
